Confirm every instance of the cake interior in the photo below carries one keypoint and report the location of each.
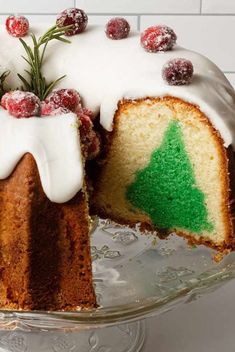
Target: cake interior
(174, 175)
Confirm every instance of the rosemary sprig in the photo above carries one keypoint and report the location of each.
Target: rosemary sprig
(36, 82)
(3, 77)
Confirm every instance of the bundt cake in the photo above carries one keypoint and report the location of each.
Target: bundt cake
(167, 122)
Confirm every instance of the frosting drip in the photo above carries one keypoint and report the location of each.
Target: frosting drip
(54, 143)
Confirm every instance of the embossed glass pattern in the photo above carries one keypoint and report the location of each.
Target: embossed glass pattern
(135, 276)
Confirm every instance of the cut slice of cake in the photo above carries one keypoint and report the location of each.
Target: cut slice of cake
(44, 216)
(166, 167)
(44, 246)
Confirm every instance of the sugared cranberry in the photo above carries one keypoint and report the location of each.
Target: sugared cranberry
(4, 100)
(46, 108)
(158, 38)
(22, 104)
(87, 112)
(89, 138)
(178, 72)
(86, 123)
(64, 98)
(117, 28)
(17, 26)
(49, 109)
(75, 17)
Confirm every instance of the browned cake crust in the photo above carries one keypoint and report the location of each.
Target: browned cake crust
(44, 247)
(227, 178)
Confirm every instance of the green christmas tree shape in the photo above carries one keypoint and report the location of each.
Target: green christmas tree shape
(166, 189)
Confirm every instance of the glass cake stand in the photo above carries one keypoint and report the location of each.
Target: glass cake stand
(135, 276)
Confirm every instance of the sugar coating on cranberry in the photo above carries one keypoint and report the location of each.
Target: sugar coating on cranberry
(158, 38)
(85, 111)
(4, 100)
(75, 17)
(66, 98)
(86, 123)
(89, 138)
(49, 109)
(22, 104)
(117, 28)
(178, 72)
(17, 26)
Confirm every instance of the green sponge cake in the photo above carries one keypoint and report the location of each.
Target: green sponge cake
(166, 189)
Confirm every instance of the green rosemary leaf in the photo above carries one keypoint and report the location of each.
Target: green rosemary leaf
(25, 82)
(3, 76)
(55, 32)
(62, 29)
(27, 49)
(43, 52)
(35, 57)
(45, 35)
(37, 87)
(26, 60)
(55, 29)
(29, 73)
(35, 43)
(43, 84)
(51, 85)
(61, 39)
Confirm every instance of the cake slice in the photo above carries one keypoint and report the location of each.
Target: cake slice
(45, 261)
(167, 168)
(44, 246)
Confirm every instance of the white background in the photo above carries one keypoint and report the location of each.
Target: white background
(208, 26)
(204, 325)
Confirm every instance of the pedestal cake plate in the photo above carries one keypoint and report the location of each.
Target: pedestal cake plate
(135, 277)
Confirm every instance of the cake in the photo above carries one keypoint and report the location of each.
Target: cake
(166, 161)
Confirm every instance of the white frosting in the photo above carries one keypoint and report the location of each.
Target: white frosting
(54, 143)
(103, 71)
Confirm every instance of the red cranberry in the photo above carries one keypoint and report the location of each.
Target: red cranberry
(49, 109)
(117, 28)
(75, 17)
(64, 98)
(86, 123)
(4, 100)
(158, 38)
(22, 104)
(89, 138)
(17, 26)
(87, 112)
(178, 72)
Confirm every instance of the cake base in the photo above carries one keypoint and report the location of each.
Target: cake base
(44, 246)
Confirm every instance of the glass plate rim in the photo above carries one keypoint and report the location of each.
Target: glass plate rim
(100, 317)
